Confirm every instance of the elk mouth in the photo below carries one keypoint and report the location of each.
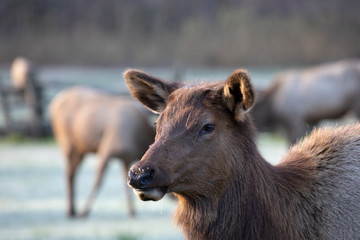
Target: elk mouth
(154, 194)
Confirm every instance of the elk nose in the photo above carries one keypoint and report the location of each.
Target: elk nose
(140, 178)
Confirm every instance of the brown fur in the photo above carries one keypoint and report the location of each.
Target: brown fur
(205, 153)
(87, 121)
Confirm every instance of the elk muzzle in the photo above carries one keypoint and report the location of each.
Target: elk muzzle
(144, 184)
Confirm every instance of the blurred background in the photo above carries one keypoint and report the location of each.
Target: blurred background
(89, 42)
(193, 33)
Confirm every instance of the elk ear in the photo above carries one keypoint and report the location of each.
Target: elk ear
(149, 90)
(238, 93)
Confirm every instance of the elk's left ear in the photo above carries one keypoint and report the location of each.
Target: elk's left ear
(238, 93)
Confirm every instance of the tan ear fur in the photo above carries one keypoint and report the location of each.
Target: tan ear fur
(238, 93)
(150, 91)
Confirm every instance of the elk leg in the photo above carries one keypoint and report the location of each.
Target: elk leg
(99, 176)
(296, 129)
(310, 127)
(129, 193)
(356, 107)
(73, 161)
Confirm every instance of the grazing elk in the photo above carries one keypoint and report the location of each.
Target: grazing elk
(205, 153)
(299, 99)
(85, 120)
(21, 70)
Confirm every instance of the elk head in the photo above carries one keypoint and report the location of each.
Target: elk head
(196, 129)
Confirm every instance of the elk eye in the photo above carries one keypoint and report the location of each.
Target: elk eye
(208, 128)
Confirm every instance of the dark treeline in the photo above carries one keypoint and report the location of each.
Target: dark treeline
(158, 32)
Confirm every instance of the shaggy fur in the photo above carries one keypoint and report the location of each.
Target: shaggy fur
(205, 153)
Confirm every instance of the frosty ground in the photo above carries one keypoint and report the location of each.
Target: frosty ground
(33, 206)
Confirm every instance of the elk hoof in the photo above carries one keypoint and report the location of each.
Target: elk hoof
(71, 214)
(83, 214)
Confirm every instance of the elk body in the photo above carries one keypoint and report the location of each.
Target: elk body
(204, 152)
(299, 99)
(87, 121)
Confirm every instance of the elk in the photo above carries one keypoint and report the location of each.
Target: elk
(205, 153)
(85, 120)
(299, 99)
(21, 70)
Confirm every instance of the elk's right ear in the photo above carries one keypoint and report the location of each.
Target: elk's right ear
(149, 90)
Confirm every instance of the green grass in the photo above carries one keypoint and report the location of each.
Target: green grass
(18, 139)
(127, 236)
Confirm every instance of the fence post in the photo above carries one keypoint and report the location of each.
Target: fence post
(5, 108)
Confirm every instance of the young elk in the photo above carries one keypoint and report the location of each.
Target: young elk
(204, 152)
(85, 120)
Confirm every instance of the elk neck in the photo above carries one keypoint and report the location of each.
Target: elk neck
(253, 200)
